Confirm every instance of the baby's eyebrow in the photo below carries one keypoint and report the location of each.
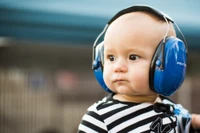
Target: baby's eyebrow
(108, 50)
(140, 52)
(136, 50)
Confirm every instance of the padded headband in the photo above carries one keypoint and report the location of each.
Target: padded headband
(141, 8)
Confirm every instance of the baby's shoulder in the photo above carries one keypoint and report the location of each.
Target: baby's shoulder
(105, 102)
(178, 109)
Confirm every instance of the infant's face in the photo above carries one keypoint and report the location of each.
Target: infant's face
(129, 45)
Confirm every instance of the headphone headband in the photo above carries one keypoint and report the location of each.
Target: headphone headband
(144, 8)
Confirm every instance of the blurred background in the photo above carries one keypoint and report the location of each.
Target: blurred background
(46, 81)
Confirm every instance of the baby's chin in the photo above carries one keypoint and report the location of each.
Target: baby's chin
(125, 91)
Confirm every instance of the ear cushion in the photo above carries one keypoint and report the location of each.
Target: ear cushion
(98, 68)
(167, 81)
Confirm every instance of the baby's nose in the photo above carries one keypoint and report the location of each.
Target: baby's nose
(120, 66)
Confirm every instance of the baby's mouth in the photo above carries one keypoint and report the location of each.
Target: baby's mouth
(120, 80)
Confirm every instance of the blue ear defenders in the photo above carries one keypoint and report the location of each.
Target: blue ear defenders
(169, 62)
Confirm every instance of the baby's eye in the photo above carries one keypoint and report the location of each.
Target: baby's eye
(111, 57)
(133, 57)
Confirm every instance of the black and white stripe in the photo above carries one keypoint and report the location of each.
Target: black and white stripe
(113, 116)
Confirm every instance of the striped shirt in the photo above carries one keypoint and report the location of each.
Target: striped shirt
(113, 116)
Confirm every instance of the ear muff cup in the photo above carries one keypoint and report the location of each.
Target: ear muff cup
(167, 80)
(98, 65)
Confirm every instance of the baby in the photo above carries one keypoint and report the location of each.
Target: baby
(139, 62)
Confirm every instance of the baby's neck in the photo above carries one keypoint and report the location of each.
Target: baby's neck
(137, 98)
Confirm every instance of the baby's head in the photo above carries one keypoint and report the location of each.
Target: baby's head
(132, 61)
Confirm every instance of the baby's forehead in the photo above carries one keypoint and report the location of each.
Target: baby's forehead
(137, 20)
(141, 22)
(141, 18)
(139, 28)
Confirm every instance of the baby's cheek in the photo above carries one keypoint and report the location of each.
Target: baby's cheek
(141, 80)
(106, 76)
